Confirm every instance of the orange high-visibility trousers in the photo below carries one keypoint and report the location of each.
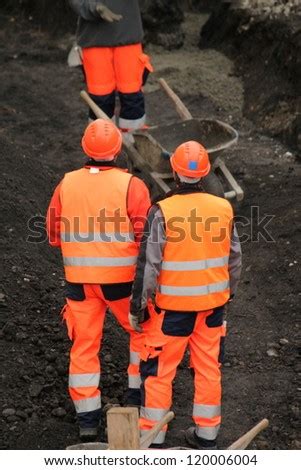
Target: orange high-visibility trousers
(123, 69)
(85, 320)
(168, 335)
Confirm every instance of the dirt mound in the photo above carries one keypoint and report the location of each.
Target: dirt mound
(267, 53)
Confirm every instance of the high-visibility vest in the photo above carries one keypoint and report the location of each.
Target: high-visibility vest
(194, 273)
(97, 237)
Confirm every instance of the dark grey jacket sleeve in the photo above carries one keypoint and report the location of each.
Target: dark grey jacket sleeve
(149, 260)
(92, 31)
(235, 262)
(86, 9)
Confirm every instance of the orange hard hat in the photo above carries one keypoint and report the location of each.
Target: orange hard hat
(102, 140)
(191, 159)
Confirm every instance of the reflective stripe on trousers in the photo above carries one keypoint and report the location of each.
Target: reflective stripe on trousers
(195, 265)
(87, 404)
(206, 411)
(153, 414)
(190, 291)
(88, 261)
(134, 381)
(132, 123)
(134, 358)
(207, 432)
(84, 380)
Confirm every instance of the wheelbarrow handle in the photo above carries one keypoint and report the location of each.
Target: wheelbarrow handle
(99, 113)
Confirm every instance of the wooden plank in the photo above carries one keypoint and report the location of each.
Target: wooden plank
(123, 429)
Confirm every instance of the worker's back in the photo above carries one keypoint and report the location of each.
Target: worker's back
(97, 236)
(194, 273)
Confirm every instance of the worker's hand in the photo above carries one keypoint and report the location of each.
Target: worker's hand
(106, 14)
(135, 321)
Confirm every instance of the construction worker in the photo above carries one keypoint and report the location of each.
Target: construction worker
(192, 264)
(95, 216)
(110, 35)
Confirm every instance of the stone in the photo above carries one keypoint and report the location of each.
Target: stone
(283, 341)
(108, 358)
(35, 389)
(273, 345)
(271, 352)
(8, 412)
(22, 414)
(59, 412)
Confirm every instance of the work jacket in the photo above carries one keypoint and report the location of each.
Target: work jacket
(93, 31)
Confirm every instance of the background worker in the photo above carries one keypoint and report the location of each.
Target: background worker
(110, 35)
(95, 218)
(191, 263)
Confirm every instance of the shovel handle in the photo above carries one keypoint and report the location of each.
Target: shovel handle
(99, 113)
(244, 441)
(181, 109)
(148, 439)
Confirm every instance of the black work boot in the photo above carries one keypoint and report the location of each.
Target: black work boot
(88, 434)
(197, 442)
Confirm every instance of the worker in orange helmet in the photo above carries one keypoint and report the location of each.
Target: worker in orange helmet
(110, 34)
(190, 258)
(95, 216)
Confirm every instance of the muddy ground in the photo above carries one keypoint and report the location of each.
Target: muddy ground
(42, 119)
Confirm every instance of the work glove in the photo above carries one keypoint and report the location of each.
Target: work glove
(135, 320)
(106, 14)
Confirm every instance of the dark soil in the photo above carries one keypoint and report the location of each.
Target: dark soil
(267, 55)
(42, 119)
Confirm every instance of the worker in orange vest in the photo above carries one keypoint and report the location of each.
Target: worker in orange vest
(95, 218)
(190, 258)
(110, 35)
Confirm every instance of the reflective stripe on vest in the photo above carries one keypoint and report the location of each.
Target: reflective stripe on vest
(97, 236)
(108, 262)
(195, 265)
(191, 291)
(194, 273)
(87, 237)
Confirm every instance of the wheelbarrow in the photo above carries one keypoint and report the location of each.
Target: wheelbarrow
(147, 149)
(215, 135)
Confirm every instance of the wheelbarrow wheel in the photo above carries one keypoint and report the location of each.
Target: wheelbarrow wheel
(213, 185)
